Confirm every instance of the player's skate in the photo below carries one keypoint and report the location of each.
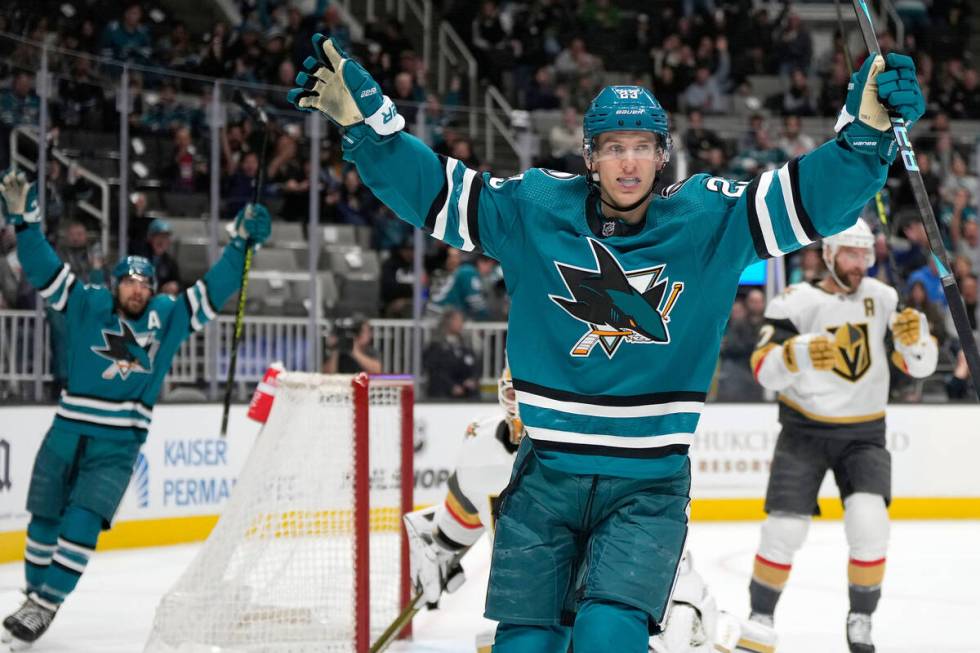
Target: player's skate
(859, 633)
(28, 623)
(758, 634)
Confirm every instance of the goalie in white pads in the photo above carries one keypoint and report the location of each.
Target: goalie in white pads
(825, 349)
(440, 535)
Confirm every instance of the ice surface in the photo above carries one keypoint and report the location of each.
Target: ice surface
(929, 603)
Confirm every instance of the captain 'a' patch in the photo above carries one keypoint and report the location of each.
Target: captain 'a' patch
(852, 356)
(616, 304)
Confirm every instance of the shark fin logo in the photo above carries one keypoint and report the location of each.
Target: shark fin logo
(129, 352)
(616, 304)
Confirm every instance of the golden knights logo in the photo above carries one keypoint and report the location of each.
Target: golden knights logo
(852, 357)
(617, 305)
(129, 352)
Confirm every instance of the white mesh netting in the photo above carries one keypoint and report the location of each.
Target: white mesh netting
(277, 573)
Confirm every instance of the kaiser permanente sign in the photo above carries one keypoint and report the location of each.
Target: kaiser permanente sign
(186, 473)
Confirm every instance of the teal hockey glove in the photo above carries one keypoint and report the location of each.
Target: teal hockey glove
(898, 88)
(340, 88)
(18, 199)
(252, 224)
(882, 85)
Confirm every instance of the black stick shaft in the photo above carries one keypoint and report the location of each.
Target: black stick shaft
(953, 296)
(242, 295)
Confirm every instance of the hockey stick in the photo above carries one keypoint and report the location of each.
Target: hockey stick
(251, 109)
(413, 608)
(879, 204)
(953, 297)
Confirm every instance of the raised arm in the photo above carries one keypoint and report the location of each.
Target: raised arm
(451, 202)
(822, 192)
(200, 303)
(52, 277)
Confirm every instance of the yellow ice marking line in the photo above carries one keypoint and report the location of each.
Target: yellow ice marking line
(179, 530)
(830, 508)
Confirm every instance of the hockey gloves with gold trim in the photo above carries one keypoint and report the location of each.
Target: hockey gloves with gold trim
(812, 351)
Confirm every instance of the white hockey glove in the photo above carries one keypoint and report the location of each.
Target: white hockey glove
(18, 198)
(916, 349)
(434, 568)
(343, 91)
(811, 351)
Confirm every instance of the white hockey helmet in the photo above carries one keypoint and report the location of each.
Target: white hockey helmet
(507, 398)
(857, 235)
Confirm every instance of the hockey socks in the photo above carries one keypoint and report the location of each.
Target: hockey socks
(864, 580)
(54, 565)
(42, 540)
(768, 580)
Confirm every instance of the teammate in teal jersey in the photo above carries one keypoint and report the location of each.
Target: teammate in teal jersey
(120, 346)
(619, 298)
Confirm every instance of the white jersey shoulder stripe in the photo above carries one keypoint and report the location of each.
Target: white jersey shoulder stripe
(56, 284)
(786, 186)
(442, 218)
(762, 210)
(463, 206)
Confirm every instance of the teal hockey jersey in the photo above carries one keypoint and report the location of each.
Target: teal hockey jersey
(116, 365)
(614, 330)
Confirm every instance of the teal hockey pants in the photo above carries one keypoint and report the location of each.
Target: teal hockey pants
(584, 557)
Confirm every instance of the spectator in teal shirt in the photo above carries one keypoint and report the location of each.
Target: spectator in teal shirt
(467, 288)
(128, 40)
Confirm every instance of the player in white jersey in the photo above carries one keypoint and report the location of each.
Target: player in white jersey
(440, 535)
(826, 349)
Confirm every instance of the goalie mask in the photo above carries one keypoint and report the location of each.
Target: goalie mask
(858, 236)
(508, 401)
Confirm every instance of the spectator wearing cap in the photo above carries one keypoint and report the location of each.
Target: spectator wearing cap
(159, 238)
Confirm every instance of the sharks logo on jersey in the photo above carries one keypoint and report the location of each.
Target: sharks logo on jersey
(853, 357)
(616, 304)
(129, 352)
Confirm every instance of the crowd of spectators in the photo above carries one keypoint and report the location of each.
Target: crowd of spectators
(701, 58)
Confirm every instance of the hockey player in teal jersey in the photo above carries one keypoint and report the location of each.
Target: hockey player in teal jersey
(619, 298)
(120, 347)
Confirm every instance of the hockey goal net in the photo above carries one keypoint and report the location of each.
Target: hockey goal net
(309, 554)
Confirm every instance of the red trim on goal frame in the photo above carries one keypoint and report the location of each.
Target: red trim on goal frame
(361, 516)
(362, 502)
(408, 492)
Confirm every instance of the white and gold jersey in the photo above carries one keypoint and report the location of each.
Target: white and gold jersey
(482, 471)
(855, 389)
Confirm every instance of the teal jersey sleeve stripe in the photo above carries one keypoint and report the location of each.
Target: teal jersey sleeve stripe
(547, 418)
(787, 239)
